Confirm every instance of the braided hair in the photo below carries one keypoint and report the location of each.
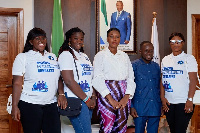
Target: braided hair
(65, 46)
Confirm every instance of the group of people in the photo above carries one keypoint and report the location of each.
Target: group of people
(112, 83)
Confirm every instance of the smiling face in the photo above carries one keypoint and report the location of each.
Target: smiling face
(113, 39)
(39, 44)
(76, 40)
(147, 52)
(176, 47)
(119, 6)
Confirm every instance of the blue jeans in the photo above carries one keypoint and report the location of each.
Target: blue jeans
(82, 122)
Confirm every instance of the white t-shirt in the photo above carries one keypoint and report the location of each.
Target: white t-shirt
(108, 66)
(41, 74)
(84, 67)
(175, 77)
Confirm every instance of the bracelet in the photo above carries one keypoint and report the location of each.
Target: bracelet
(87, 100)
(61, 94)
(84, 100)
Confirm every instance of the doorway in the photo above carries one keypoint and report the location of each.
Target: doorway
(11, 43)
(195, 122)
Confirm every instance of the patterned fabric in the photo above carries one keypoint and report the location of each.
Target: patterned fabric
(113, 120)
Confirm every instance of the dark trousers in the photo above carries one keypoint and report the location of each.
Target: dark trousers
(36, 118)
(177, 119)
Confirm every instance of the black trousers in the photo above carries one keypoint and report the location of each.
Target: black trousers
(177, 119)
(36, 118)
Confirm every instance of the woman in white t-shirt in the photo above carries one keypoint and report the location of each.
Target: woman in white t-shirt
(114, 80)
(37, 70)
(179, 75)
(76, 70)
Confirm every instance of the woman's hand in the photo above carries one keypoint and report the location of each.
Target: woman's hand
(90, 104)
(123, 102)
(93, 98)
(114, 103)
(165, 104)
(62, 101)
(134, 113)
(15, 113)
(188, 106)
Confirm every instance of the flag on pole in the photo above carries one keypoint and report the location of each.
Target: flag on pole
(57, 36)
(103, 25)
(103, 10)
(154, 41)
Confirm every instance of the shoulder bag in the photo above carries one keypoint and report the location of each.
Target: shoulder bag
(74, 104)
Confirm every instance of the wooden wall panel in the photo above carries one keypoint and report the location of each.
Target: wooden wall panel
(171, 16)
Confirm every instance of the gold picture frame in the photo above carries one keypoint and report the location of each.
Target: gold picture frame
(105, 11)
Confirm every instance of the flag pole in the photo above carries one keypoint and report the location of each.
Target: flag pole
(154, 39)
(154, 16)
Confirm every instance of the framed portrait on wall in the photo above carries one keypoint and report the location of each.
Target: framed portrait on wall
(119, 14)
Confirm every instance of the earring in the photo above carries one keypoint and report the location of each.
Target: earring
(82, 45)
(69, 43)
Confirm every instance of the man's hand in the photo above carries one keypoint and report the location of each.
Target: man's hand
(134, 113)
(164, 104)
(126, 42)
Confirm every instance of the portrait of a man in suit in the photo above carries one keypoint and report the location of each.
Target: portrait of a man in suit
(122, 20)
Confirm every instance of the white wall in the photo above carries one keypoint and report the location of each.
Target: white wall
(192, 8)
(28, 6)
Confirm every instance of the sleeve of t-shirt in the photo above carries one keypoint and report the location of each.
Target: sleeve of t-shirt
(66, 61)
(192, 64)
(19, 65)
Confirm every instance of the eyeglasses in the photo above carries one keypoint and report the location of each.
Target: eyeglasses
(175, 41)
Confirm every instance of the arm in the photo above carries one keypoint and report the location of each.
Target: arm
(93, 98)
(130, 84)
(18, 71)
(17, 89)
(192, 89)
(162, 96)
(192, 69)
(128, 33)
(62, 101)
(111, 21)
(68, 78)
(98, 81)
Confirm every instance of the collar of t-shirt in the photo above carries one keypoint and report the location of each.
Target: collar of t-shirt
(77, 54)
(178, 56)
(37, 52)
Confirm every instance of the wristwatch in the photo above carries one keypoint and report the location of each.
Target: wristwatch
(190, 99)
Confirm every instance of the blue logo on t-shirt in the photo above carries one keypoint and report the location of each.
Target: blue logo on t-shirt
(46, 67)
(86, 69)
(40, 86)
(85, 86)
(167, 87)
(180, 62)
(169, 72)
(50, 57)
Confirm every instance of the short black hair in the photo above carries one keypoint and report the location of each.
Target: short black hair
(33, 33)
(112, 29)
(142, 43)
(176, 34)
